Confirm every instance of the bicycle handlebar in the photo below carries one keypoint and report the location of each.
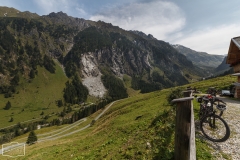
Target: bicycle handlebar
(219, 100)
(213, 99)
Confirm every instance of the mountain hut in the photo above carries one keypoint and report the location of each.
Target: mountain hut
(233, 59)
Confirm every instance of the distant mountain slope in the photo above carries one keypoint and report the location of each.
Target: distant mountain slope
(222, 67)
(201, 59)
(12, 12)
(99, 53)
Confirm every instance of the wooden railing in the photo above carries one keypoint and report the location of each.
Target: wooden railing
(185, 148)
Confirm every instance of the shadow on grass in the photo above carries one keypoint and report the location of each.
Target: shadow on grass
(164, 127)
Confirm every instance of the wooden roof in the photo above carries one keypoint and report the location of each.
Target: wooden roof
(236, 84)
(236, 74)
(234, 51)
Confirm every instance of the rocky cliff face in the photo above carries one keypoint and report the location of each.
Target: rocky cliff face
(114, 51)
(61, 18)
(91, 75)
(119, 63)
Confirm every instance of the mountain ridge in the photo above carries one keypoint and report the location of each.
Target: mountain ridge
(78, 44)
(67, 39)
(202, 59)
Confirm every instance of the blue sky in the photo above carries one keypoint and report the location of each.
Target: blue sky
(203, 25)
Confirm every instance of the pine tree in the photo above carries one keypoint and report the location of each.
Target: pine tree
(32, 138)
(32, 74)
(59, 103)
(8, 106)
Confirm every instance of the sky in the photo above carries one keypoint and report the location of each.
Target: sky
(202, 25)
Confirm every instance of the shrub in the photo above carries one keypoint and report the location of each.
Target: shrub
(174, 94)
(8, 106)
(11, 119)
(32, 138)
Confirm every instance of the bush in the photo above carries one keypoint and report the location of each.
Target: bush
(92, 123)
(59, 103)
(49, 64)
(11, 119)
(32, 138)
(7, 95)
(8, 106)
(174, 94)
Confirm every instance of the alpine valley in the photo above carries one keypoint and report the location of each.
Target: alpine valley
(97, 53)
(56, 69)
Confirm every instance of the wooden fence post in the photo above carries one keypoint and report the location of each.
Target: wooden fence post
(187, 93)
(192, 143)
(183, 128)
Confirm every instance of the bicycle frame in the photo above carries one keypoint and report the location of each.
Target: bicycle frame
(212, 125)
(208, 109)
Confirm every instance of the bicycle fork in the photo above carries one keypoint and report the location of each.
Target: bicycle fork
(212, 120)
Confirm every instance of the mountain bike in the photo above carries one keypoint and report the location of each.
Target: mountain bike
(207, 107)
(212, 125)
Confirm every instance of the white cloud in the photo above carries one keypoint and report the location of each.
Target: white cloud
(81, 11)
(47, 6)
(159, 18)
(214, 40)
(66, 6)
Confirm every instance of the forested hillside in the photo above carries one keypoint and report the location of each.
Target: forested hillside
(29, 41)
(86, 60)
(203, 60)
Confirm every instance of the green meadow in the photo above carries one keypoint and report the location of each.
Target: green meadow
(33, 97)
(123, 132)
(138, 127)
(219, 83)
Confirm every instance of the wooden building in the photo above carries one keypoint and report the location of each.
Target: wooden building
(233, 59)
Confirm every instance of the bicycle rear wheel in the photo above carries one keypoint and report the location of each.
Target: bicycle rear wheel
(215, 128)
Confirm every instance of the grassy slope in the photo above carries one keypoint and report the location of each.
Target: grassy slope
(219, 83)
(35, 97)
(118, 135)
(127, 82)
(11, 12)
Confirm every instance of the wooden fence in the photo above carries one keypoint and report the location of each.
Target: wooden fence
(185, 148)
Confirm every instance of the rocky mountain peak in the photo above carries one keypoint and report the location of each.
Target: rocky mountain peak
(61, 18)
(58, 15)
(140, 33)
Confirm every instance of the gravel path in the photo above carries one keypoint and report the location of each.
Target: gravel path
(229, 149)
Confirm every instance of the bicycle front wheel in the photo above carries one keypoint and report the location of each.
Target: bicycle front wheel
(220, 113)
(215, 128)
